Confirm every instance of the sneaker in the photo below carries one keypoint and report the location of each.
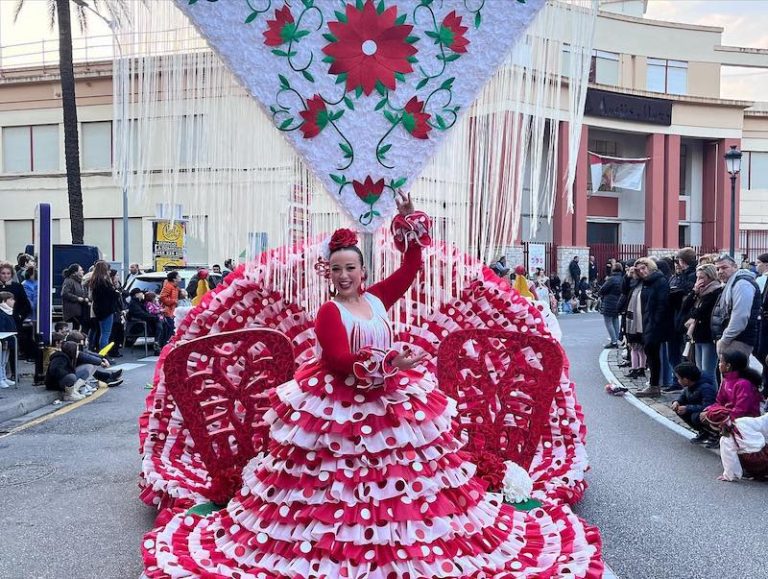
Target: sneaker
(713, 442)
(87, 389)
(4, 384)
(700, 438)
(610, 346)
(672, 388)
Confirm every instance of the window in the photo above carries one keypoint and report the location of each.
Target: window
(604, 67)
(96, 146)
(684, 233)
(602, 233)
(190, 141)
(667, 76)
(31, 149)
(754, 170)
(683, 170)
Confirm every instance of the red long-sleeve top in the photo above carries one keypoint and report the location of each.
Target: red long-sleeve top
(330, 330)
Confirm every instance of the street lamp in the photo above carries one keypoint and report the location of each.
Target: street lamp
(733, 165)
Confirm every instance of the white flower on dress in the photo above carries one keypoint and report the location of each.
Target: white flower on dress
(517, 485)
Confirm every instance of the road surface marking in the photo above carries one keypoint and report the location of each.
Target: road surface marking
(61, 411)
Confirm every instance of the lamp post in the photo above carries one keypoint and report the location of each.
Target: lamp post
(733, 165)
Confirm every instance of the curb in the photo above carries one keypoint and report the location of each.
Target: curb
(26, 404)
(634, 401)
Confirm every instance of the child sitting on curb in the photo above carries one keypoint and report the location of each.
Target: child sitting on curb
(699, 392)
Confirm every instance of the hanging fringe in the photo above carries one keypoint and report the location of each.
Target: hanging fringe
(187, 133)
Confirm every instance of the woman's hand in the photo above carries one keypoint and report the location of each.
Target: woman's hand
(404, 203)
(407, 360)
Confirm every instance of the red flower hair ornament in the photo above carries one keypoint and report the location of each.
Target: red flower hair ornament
(341, 238)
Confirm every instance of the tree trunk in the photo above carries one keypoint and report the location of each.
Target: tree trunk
(69, 107)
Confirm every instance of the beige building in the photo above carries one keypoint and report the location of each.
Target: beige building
(655, 92)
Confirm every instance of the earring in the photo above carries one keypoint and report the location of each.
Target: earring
(361, 289)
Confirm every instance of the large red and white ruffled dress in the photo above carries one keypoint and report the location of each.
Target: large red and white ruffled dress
(364, 478)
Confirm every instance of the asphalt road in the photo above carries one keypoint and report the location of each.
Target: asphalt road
(655, 496)
(69, 506)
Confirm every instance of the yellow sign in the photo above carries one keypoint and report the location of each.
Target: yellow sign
(168, 244)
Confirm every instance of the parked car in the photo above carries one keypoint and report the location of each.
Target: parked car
(153, 282)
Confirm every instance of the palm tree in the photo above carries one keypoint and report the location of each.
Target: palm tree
(58, 11)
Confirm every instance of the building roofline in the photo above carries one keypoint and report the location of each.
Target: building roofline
(662, 23)
(674, 98)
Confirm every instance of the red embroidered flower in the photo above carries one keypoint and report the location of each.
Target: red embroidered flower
(415, 119)
(452, 33)
(370, 47)
(342, 238)
(368, 191)
(490, 468)
(281, 29)
(315, 117)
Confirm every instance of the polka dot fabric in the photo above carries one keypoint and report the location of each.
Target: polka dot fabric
(365, 484)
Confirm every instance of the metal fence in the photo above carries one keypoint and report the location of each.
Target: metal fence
(620, 251)
(753, 242)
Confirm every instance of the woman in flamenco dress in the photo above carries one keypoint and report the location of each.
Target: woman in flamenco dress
(363, 477)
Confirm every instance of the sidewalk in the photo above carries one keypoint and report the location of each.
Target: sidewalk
(610, 360)
(25, 396)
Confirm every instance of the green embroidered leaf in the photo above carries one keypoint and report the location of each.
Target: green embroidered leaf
(383, 150)
(192, 2)
(285, 124)
(478, 19)
(392, 118)
(348, 102)
(412, 59)
(400, 76)
(300, 34)
(375, 213)
(337, 115)
(278, 52)
(432, 34)
(449, 58)
(346, 149)
(328, 59)
(358, 91)
(340, 16)
(380, 7)
(308, 3)
(448, 84)
(422, 83)
(440, 122)
(251, 17)
(380, 88)
(283, 81)
(412, 39)
(329, 37)
(340, 179)
(397, 183)
(341, 78)
(306, 74)
(359, 4)
(401, 19)
(273, 109)
(380, 104)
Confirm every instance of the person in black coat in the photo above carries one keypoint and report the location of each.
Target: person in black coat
(680, 285)
(21, 309)
(699, 392)
(610, 294)
(574, 271)
(657, 323)
(137, 312)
